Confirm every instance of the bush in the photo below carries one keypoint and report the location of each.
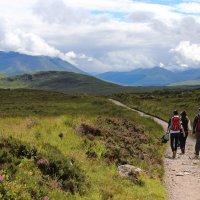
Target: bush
(51, 163)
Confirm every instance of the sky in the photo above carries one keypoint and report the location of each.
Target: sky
(105, 35)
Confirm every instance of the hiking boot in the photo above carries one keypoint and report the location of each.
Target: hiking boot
(174, 154)
(183, 151)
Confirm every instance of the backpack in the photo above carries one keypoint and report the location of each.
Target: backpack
(165, 138)
(175, 123)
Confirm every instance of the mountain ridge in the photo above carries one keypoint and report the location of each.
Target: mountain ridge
(155, 76)
(13, 63)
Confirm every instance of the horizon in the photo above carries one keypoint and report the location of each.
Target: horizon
(95, 73)
(105, 36)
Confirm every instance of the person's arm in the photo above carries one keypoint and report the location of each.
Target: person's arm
(169, 124)
(194, 125)
(183, 131)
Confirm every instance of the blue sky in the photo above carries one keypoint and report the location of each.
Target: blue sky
(163, 2)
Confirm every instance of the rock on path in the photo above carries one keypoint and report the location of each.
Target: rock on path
(182, 175)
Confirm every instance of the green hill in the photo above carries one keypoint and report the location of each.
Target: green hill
(70, 82)
(186, 83)
(60, 81)
(2, 76)
(57, 146)
(67, 82)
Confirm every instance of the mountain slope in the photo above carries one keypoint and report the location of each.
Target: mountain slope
(12, 63)
(60, 81)
(189, 82)
(156, 76)
(69, 82)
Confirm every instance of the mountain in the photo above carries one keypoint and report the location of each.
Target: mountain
(12, 63)
(190, 74)
(156, 76)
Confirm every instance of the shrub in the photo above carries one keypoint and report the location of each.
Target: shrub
(51, 162)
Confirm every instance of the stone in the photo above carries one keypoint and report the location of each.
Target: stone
(180, 174)
(129, 171)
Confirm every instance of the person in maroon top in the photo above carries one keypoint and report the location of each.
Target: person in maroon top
(186, 126)
(196, 132)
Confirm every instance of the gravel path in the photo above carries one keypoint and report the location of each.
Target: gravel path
(182, 175)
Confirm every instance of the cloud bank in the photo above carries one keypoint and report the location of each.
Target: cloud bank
(106, 35)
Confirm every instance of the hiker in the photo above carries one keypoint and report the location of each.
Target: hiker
(186, 126)
(174, 127)
(196, 132)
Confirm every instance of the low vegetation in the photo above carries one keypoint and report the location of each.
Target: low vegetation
(59, 146)
(162, 103)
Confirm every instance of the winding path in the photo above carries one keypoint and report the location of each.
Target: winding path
(182, 175)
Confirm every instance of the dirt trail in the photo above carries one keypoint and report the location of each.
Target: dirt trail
(182, 175)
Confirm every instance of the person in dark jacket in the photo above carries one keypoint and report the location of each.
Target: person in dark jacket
(196, 132)
(186, 126)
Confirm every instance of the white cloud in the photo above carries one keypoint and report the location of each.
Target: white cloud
(28, 43)
(187, 53)
(191, 7)
(141, 16)
(102, 35)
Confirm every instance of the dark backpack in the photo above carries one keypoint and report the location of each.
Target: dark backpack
(175, 123)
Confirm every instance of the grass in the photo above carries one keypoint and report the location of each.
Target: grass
(163, 103)
(50, 122)
(190, 82)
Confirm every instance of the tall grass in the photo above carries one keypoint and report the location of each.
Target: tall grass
(55, 124)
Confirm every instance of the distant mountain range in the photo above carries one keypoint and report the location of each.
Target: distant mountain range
(12, 63)
(156, 76)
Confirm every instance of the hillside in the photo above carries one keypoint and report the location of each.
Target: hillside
(60, 81)
(2, 76)
(12, 63)
(156, 76)
(57, 146)
(189, 82)
(162, 103)
(70, 82)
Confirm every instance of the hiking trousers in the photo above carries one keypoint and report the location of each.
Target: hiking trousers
(174, 137)
(183, 140)
(197, 146)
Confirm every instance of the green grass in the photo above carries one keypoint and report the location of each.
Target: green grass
(2, 76)
(39, 119)
(162, 104)
(184, 83)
